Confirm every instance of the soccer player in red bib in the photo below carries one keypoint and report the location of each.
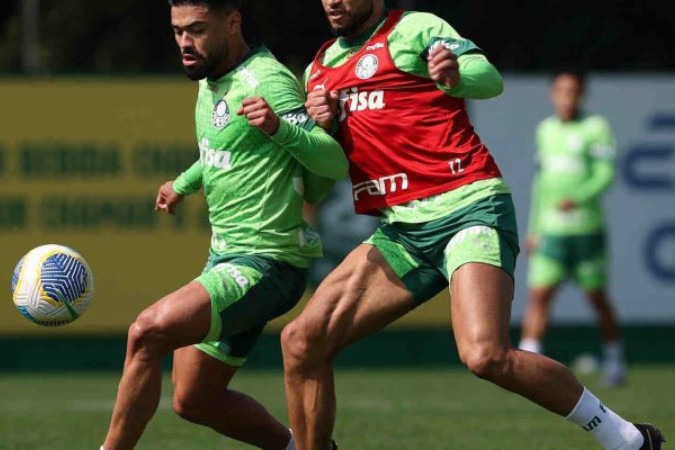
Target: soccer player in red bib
(392, 88)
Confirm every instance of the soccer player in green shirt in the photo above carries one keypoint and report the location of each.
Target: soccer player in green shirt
(575, 167)
(392, 87)
(260, 158)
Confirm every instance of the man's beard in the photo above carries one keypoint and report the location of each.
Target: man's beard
(199, 70)
(355, 24)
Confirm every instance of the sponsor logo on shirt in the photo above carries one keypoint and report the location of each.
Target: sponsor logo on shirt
(375, 46)
(367, 66)
(354, 100)
(296, 118)
(381, 186)
(210, 157)
(445, 44)
(221, 114)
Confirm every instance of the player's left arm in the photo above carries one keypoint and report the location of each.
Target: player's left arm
(457, 65)
(280, 113)
(602, 154)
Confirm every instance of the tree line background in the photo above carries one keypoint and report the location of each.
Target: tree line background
(123, 37)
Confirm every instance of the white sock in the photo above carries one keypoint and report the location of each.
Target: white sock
(607, 427)
(530, 345)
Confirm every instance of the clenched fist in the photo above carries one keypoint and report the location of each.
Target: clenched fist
(443, 66)
(322, 107)
(259, 114)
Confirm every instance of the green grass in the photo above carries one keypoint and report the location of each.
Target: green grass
(378, 409)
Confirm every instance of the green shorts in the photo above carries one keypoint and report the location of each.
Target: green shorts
(583, 258)
(425, 255)
(246, 292)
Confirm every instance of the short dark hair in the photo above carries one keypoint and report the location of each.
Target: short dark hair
(577, 72)
(222, 5)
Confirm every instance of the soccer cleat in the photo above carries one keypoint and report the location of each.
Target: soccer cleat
(653, 437)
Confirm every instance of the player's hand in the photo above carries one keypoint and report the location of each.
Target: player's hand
(167, 198)
(443, 66)
(567, 204)
(322, 107)
(259, 114)
(531, 244)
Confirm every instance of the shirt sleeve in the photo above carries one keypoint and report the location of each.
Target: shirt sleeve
(309, 144)
(478, 79)
(419, 33)
(189, 181)
(602, 153)
(316, 150)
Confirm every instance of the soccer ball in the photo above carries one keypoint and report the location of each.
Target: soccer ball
(52, 285)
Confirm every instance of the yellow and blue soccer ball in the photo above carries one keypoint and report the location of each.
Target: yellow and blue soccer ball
(52, 285)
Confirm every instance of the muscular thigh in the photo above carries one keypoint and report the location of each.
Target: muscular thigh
(481, 306)
(362, 295)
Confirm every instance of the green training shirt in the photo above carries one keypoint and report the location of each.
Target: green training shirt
(254, 184)
(409, 44)
(575, 160)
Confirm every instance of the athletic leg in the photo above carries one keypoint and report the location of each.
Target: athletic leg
(545, 274)
(537, 318)
(359, 297)
(590, 273)
(481, 303)
(481, 313)
(609, 327)
(179, 319)
(614, 366)
(201, 395)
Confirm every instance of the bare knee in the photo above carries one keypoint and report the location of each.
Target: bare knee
(191, 408)
(488, 362)
(304, 343)
(145, 336)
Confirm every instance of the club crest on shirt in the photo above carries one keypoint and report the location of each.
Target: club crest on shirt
(367, 66)
(221, 114)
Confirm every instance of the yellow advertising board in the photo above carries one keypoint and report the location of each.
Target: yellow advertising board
(80, 164)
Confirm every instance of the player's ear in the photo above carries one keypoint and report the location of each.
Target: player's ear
(233, 22)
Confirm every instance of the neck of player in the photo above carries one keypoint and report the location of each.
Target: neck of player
(234, 57)
(378, 13)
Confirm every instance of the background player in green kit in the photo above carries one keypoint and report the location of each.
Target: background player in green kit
(260, 158)
(575, 159)
(392, 86)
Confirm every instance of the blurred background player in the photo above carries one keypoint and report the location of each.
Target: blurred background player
(575, 167)
(257, 149)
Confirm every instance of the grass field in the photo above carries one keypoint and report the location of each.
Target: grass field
(399, 409)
